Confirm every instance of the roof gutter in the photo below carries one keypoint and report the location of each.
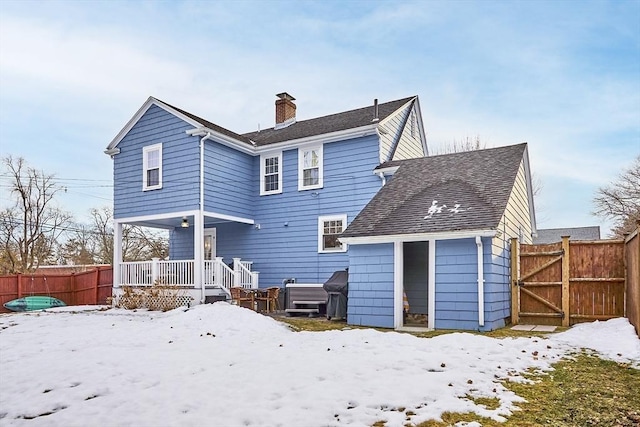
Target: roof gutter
(417, 237)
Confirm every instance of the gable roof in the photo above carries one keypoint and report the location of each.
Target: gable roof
(327, 124)
(210, 125)
(554, 235)
(351, 119)
(439, 194)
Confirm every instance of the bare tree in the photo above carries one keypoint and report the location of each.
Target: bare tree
(466, 144)
(31, 227)
(620, 201)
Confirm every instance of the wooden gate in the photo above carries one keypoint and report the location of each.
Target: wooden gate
(567, 282)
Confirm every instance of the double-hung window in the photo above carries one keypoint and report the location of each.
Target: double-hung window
(271, 174)
(329, 229)
(310, 168)
(152, 167)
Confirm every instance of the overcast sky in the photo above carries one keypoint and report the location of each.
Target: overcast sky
(562, 76)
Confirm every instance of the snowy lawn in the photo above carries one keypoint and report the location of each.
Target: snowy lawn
(221, 365)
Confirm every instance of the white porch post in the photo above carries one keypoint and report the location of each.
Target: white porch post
(431, 310)
(155, 270)
(117, 253)
(237, 272)
(198, 252)
(217, 271)
(398, 284)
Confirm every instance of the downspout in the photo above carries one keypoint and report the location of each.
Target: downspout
(480, 281)
(201, 214)
(382, 178)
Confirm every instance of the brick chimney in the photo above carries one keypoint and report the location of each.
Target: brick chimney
(285, 110)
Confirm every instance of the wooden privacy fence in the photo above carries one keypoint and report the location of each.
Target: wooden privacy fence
(86, 288)
(574, 281)
(632, 262)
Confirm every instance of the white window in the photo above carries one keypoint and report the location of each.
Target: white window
(329, 229)
(310, 168)
(152, 167)
(271, 174)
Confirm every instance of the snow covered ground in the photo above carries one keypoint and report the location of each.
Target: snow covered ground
(220, 365)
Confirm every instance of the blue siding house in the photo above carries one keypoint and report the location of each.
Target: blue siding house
(309, 197)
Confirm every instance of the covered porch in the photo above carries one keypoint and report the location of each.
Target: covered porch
(193, 264)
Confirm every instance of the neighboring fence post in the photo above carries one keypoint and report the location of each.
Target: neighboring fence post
(19, 284)
(97, 283)
(566, 313)
(515, 296)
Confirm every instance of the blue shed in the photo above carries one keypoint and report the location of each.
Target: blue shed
(431, 248)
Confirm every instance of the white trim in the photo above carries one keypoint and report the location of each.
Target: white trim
(386, 171)
(168, 215)
(320, 151)
(422, 133)
(264, 157)
(226, 217)
(321, 221)
(141, 111)
(480, 281)
(448, 235)
(223, 139)
(211, 231)
(431, 289)
(398, 284)
(145, 166)
(527, 173)
(324, 138)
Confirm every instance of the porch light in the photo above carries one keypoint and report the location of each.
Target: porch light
(185, 222)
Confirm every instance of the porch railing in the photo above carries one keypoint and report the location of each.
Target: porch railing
(145, 273)
(181, 273)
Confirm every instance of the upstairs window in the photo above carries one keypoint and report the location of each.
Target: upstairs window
(310, 168)
(270, 174)
(152, 167)
(329, 229)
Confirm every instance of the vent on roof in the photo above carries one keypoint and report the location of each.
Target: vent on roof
(285, 110)
(376, 116)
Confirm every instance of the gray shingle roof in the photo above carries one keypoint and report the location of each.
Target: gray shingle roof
(553, 235)
(331, 123)
(210, 125)
(451, 192)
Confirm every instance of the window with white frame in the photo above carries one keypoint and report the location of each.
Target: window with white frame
(271, 174)
(152, 167)
(329, 229)
(310, 168)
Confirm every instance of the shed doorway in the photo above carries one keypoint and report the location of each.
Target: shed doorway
(415, 284)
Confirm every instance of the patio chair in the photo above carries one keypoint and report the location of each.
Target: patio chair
(241, 297)
(270, 297)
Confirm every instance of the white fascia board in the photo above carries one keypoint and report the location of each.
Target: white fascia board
(527, 173)
(226, 217)
(151, 218)
(321, 139)
(386, 171)
(423, 135)
(418, 237)
(392, 115)
(223, 139)
(132, 122)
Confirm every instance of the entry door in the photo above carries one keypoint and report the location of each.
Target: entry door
(209, 244)
(415, 284)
